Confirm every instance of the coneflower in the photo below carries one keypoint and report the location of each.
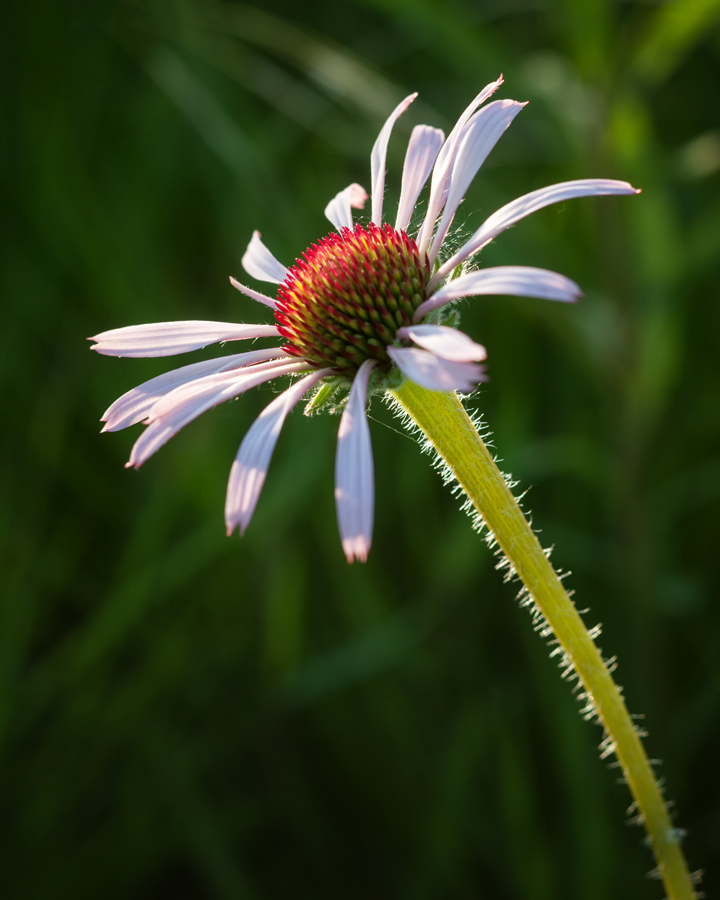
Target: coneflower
(368, 300)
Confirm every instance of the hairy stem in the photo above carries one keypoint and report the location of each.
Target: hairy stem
(444, 421)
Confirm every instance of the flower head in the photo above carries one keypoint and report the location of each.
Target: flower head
(367, 300)
(345, 301)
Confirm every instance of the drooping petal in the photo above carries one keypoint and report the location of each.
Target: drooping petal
(171, 338)
(134, 406)
(436, 374)
(259, 262)
(423, 148)
(256, 295)
(378, 157)
(529, 203)
(194, 404)
(354, 474)
(443, 166)
(339, 209)
(520, 281)
(447, 150)
(181, 394)
(249, 469)
(447, 343)
(483, 131)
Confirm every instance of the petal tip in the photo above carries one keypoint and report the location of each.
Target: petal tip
(358, 196)
(354, 553)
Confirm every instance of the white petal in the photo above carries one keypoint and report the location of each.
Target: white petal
(443, 166)
(181, 394)
(520, 281)
(423, 148)
(133, 406)
(448, 343)
(447, 150)
(477, 140)
(249, 469)
(339, 209)
(378, 157)
(162, 429)
(256, 295)
(259, 262)
(170, 338)
(354, 474)
(529, 203)
(434, 373)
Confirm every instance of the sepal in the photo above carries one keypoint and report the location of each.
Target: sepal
(326, 399)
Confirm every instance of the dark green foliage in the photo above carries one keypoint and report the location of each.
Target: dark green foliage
(188, 716)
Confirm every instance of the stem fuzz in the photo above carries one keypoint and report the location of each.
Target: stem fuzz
(444, 421)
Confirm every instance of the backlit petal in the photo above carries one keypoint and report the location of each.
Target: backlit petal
(259, 262)
(423, 148)
(520, 281)
(184, 411)
(436, 374)
(443, 166)
(339, 209)
(256, 295)
(250, 467)
(378, 157)
(171, 338)
(448, 343)
(529, 203)
(354, 474)
(217, 380)
(483, 131)
(133, 406)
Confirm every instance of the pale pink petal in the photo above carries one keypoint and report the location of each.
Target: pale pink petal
(171, 338)
(354, 475)
(217, 380)
(483, 131)
(166, 426)
(529, 203)
(339, 209)
(436, 374)
(449, 145)
(378, 157)
(134, 406)
(250, 467)
(443, 166)
(520, 281)
(448, 343)
(259, 262)
(256, 295)
(423, 148)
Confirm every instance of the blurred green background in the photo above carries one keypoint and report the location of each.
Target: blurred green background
(190, 716)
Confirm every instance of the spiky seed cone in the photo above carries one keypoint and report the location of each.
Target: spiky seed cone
(344, 302)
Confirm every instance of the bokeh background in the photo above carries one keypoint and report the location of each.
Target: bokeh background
(190, 716)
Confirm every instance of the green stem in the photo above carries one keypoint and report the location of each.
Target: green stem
(444, 421)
